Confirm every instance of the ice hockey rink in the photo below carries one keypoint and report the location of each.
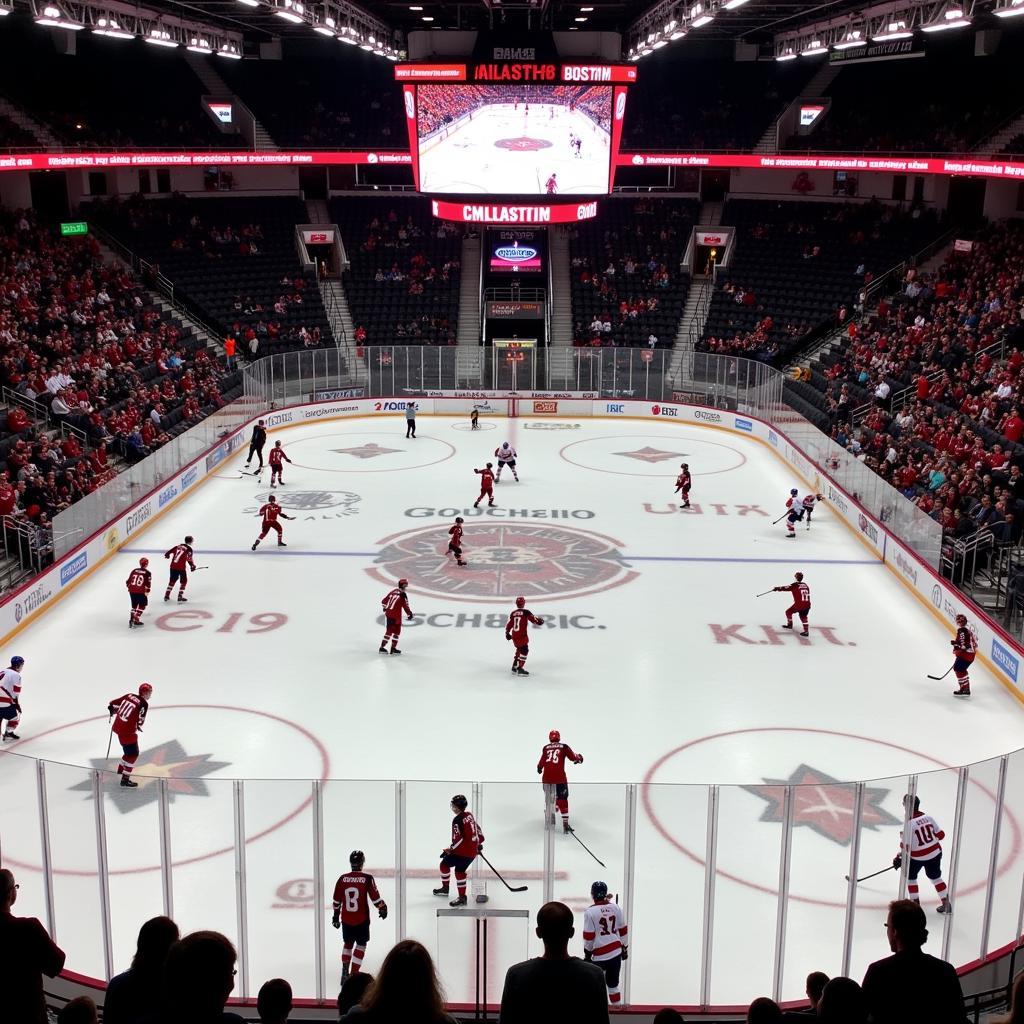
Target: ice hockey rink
(656, 661)
(501, 150)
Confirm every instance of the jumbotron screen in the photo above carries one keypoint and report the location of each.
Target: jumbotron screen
(543, 140)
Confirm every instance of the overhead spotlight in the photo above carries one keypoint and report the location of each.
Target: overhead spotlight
(894, 30)
(54, 17)
(198, 45)
(851, 39)
(348, 35)
(1012, 10)
(786, 55)
(579, 19)
(161, 37)
(678, 34)
(250, 3)
(292, 12)
(109, 27)
(427, 17)
(731, 5)
(813, 48)
(700, 16)
(230, 51)
(951, 18)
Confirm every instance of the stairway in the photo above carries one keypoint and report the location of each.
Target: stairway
(339, 316)
(42, 134)
(710, 215)
(561, 289)
(218, 89)
(317, 212)
(468, 333)
(1000, 139)
(814, 90)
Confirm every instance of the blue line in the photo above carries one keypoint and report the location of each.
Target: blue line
(626, 557)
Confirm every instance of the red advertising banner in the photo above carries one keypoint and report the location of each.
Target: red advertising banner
(430, 72)
(514, 213)
(209, 158)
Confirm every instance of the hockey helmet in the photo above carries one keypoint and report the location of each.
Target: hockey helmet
(490, 465)
(143, 562)
(961, 620)
(277, 444)
(554, 736)
(460, 802)
(402, 584)
(520, 602)
(793, 491)
(459, 519)
(145, 689)
(357, 859)
(189, 539)
(272, 499)
(798, 576)
(916, 802)
(599, 890)
(17, 661)
(684, 465)
(505, 445)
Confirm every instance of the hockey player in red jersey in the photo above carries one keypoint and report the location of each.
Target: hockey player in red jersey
(517, 630)
(683, 484)
(10, 697)
(394, 603)
(801, 601)
(551, 769)
(795, 513)
(277, 458)
(808, 505)
(467, 842)
(269, 513)
(354, 891)
(506, 456)
(455, 544)
(139, 583)
(129, 715)
(965, 647)
(486, 484)
(181, 556)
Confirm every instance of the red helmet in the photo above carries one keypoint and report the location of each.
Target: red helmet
(403, 584)
(145, 689)
(555, 736)
(143, 562)
(520, 602)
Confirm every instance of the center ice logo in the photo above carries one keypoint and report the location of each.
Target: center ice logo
(523, 144)
(312, 501)
(505, 561)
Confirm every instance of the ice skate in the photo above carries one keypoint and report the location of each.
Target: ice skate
(522, 671)
(459, 901)
(462, 563)
(9, 735)
(167, 596)
(281, 544)
(344, 973)
(139, 623)
(441, 890)
(805, 633)
(945, 907)
(127, 783)
(964, 691)
(787, 625)
(383, 649)
(256, 545)
(566, 828)
(395, 650)
(182, 597)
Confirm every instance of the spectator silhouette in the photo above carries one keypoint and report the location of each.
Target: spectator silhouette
(274, 1002)
(764, 1011)
(843, 1002)
(135, 993)
(668, 1016)
(1016, 1014)
(406, 990)
(199, 975)
(78, 1011)
(568, 988)
(352, 992)
(813, 987)
(29, 953)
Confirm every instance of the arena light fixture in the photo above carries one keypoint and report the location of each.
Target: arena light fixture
(660, 43)
(1011, 10)
(161, 37)
(679, 33)
(786, 55)
(109, 27)
(229, 51)
(893, 30)
(53, 16)
(250, 3)
(814, 48)
(731, 5)
(952, 17)
(581, 18)
(325, 27)
(199, 45)
(700, 17)
(427, 17)
(850, 40)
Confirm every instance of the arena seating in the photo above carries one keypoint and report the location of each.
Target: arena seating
(796, 266)
(233, 260)
(403, 283)
(14, 136)
(625, 272)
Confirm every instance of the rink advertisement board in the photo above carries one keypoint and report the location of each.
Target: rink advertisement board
(1004, 655)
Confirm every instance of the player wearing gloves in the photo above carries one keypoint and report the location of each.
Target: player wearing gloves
(517, 630)
(604, 938)
(801, 601)
(506, 456)
(551, 769)
(965, 646)
(921, 841)
(353, 893)
(10, 697)
(467, 842)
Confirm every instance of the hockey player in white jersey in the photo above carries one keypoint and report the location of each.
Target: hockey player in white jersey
(506, 456)
(604, 939)
(10, 697)
(925, 852)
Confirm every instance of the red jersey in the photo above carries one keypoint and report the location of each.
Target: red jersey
(129, 714)
(180, 556)
(486, 479)
(518, 621)
(466, 835)
(552, 761)
(683, 481)
(271, 511)
(394, 603)
(354, 891)
(139, 581)
(801, 595)
(456, 535)
(276, 456)
(965, 645)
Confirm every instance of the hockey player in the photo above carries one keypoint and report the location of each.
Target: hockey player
(801, 601)
(604, 938)
(139, 584)
(10, 697)
(394, 603)
(506, 456)
(455, 544)
(181, 561)
(277, 458)
(474, 420)
(551, 769)
(807, 507)
(269, 513)
(129, 715)
(256, 443)
(683, 483)
(965, 646)
(354, 891)
(795, 513)
(486, 484)
(517, 630)
(467, 842)
(925, 852)
(551, 185)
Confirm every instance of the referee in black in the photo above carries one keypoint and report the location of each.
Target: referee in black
(256, 443)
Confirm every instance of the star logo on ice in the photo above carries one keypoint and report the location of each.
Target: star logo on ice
(523, 144)
(824, 804)
(169, 761)
(649, 454)
(367, 451)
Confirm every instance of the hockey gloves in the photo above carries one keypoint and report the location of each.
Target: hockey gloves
(383, 910)
(625, 953)
(897, 862)
(336, 920)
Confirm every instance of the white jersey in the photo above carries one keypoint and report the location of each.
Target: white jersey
(10, 687)
(604, 930)
(504, 455)
(924, 837)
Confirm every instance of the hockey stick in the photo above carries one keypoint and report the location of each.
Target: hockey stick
(572, 832)
(511, 888)
(944, 674)
(198, 567)
(110, 739)
(766, 592)
(872, 875)
(783, 516)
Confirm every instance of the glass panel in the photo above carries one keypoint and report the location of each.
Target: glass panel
(21, 834)
(1006, 891)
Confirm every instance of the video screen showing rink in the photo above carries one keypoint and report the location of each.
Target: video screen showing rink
(515, 140)
(655, 660)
